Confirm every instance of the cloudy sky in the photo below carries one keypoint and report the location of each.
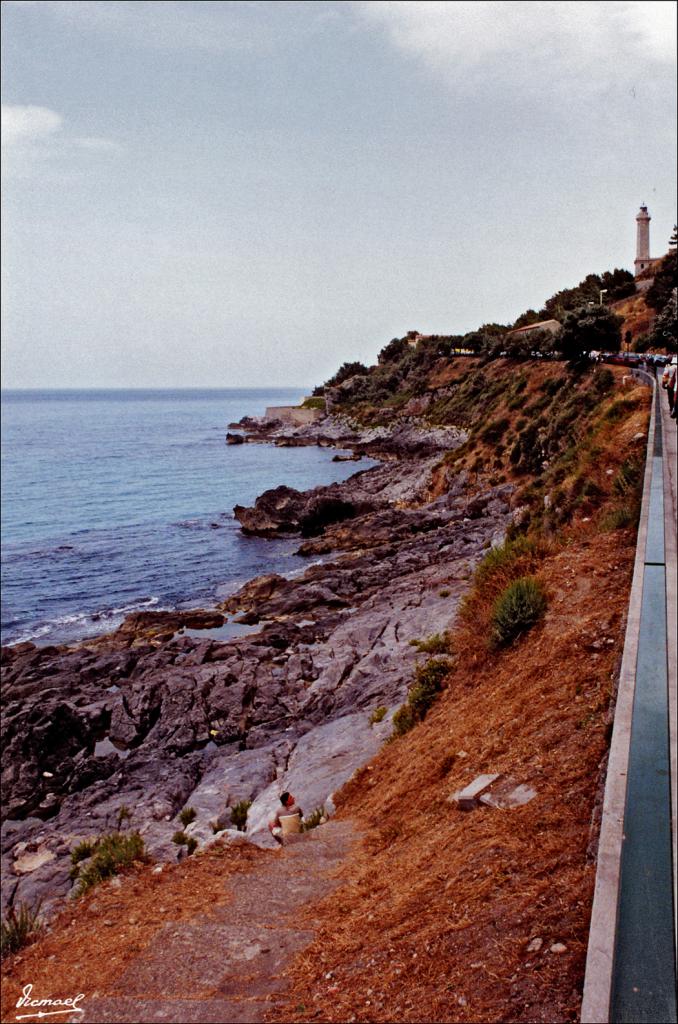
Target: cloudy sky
(236, 194)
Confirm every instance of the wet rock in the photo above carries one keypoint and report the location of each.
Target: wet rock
(28, 862)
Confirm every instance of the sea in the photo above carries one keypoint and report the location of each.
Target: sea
(115, 501)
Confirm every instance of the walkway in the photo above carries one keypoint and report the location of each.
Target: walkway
(228, 967)
(631, 968)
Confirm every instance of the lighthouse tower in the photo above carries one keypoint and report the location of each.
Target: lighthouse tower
(642, 260)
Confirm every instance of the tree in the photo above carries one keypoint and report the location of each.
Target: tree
(659, 292)
(393, 352)
(588, 329)
(618, 284)
(530, 316)
(479, 341)
(665, 330)
(345, 371)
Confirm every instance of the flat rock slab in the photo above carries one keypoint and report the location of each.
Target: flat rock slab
(467, 798)
(507, 794)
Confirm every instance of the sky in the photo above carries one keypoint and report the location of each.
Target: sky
(249, 194)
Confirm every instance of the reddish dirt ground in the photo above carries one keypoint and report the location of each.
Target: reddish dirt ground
(439, 907)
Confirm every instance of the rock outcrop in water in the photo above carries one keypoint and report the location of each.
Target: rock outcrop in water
(155, 720)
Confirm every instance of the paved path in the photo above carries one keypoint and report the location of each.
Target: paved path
(630, 970)
(670, 432)
(228, 967)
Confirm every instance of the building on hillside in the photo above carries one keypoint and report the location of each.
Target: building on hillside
(552, 326)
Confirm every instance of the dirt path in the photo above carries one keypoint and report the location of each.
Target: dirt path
(229, 967)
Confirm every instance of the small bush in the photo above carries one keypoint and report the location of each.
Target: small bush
(428, 682)
(628, 479)
(180, 838)
(313, 819)
(495, 430)
(378, 715)
(187, 816)
(403, 720)
(439, 643)
(619, 519)
(516, 552)
(444, 593)
(191, 845)
(82, 850)
(315, 402)
(621, 407)
(445, 765)
(517, 609)
(552, 385)
(603, 380)
(124, 814)
(239, 814)
(18, 928)
(112, 853)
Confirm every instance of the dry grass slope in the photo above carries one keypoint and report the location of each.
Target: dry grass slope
(442, 911)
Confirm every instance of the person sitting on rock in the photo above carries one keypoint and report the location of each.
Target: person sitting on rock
(289, 807)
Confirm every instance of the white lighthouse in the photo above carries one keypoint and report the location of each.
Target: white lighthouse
(642, 260)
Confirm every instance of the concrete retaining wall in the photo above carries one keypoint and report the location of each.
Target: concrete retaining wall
(294, 414)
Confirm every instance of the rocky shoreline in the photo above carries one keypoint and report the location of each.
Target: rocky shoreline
(152, 719)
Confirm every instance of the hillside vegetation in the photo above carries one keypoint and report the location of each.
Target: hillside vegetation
(483, 916)
(444, 915)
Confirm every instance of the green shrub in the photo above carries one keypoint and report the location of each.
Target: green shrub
(403, 720)
(187, 816)
(315, 402)
(191, 845)
(438, 643)
(112, 853)
(628, 479)
(517, 609)
(313, 819)
(500, 560)
(82, 850)
(603, 380)
(495, 430)
(180, 838)
(124, 814)
(378, 714)
(444, 593)
(18, 928)
(428, 682)
(619, 518)
(552, 385)
(621, 407)
(239, 814)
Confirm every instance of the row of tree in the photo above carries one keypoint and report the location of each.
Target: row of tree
(587, 325)
(617, 284)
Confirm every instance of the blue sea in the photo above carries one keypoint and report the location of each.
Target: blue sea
(114, 501)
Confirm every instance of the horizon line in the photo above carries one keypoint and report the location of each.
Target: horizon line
(165, 387)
